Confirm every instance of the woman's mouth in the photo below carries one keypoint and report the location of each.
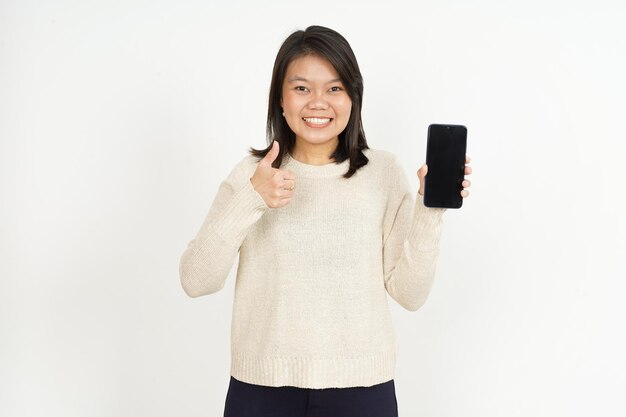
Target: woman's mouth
(317, 121)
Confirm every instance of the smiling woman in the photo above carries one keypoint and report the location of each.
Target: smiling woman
(324, 228)
(315, 99)
(316, 106)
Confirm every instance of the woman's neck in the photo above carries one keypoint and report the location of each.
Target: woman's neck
(314, 154)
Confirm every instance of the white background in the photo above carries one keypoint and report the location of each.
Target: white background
(119, 119)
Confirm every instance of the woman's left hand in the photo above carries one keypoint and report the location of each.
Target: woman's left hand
(421, 173)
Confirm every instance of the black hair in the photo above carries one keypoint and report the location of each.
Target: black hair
(328, 44)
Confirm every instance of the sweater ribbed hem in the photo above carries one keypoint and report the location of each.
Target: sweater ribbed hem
(315, 373)
(426, 225)
(245, 207)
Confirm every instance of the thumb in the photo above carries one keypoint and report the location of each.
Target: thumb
(421, 173)
(270, 156)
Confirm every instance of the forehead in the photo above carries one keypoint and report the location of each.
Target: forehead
(312, 68)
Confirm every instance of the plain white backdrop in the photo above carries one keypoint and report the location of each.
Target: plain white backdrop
(119, 119)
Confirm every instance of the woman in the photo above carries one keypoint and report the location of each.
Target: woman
(325, 228)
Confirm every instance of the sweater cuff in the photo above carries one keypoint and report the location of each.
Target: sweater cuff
(426, 227)
(245, 207)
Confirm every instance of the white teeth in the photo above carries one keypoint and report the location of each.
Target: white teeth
(316, 120)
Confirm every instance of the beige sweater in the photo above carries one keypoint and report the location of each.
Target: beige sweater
(310, 306)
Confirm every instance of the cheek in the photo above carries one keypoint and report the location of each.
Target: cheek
(346, 108)
(292, 102)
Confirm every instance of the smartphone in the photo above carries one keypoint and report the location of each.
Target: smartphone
(445, 157)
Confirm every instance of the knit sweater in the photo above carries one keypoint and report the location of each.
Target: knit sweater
(310, 305)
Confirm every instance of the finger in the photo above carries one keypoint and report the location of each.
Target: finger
(468, 170)
(284, 202)
(288, 184)
(467, 159)
(270, 156)
(422, 171)
(288, 174)
(286, 194)
(464, 193)
(466, 183)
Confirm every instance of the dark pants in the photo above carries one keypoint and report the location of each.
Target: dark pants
(249, 400)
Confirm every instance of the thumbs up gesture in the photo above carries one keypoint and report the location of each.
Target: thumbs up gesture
(274, 185)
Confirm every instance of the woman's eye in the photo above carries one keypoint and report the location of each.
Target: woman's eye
(300, 88)
(335, 88)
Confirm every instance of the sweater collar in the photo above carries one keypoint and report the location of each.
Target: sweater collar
(332, 169)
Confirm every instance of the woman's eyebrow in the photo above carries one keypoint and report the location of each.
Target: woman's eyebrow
(298, 78)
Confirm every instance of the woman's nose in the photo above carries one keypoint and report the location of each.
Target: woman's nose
(318, 102)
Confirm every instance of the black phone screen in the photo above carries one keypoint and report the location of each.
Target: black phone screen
(445, 157)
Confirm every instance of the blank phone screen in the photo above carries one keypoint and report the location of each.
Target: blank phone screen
(445, 157)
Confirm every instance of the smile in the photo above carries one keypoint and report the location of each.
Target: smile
(318, 121)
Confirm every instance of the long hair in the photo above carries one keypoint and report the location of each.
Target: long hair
(328, 44)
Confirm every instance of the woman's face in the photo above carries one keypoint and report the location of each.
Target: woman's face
(316, 104)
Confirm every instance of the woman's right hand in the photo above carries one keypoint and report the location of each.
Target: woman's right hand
(274, 185)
